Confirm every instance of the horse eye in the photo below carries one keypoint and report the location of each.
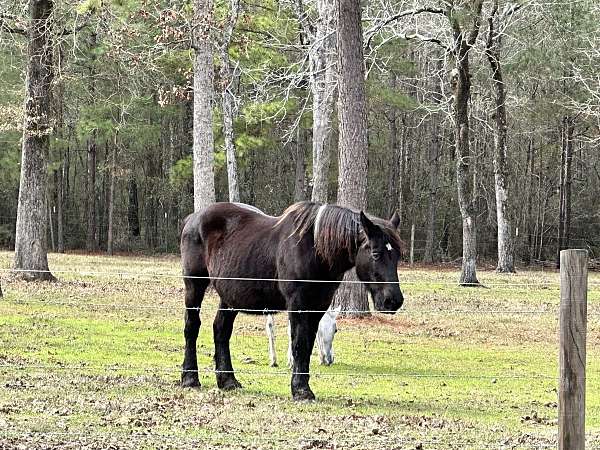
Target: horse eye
(375, 256)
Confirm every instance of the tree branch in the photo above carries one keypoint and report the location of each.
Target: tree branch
(11, 29)
(409, 12)
(424, 38)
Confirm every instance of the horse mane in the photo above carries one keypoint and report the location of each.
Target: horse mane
(334, 228)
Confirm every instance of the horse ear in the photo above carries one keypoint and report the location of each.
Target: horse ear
(371, 230)
(395, 220)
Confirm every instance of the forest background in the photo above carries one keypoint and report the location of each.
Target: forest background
(120, 166)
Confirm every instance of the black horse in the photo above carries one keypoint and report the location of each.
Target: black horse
(308, 242)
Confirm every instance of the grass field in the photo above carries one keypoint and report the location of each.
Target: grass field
(92, 361)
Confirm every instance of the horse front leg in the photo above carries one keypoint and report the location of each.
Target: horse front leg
(222, 329)
(194, 293)
(303, 330)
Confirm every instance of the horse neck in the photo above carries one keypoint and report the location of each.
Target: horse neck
(342, 263)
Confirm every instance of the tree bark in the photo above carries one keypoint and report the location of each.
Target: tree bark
(565, 181)
(434, 169)
(133, 218)
(501, 167)
(461, 84)
(90, 241)
(228, 102)
(322, 85)
(434, 155)
(60, 207)
(204, 180)
(300, 159)
(353, 143)
(31, 246)
(111, 199)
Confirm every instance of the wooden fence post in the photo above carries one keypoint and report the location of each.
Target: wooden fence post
(573, 326)
(412, 244)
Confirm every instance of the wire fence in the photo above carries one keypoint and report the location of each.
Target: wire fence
(216, 440)
(145, 275)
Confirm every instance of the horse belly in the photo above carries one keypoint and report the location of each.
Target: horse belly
(252, 297)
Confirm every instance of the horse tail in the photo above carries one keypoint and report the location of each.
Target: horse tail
(182, 225)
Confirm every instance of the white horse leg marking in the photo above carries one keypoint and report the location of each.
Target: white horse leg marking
(325, 335)
(290, 355)
(270, 328)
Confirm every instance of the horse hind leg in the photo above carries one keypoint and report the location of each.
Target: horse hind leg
(194, 294)
(222, 329)
(270, 329)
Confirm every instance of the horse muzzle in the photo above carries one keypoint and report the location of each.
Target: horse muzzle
(389, 301)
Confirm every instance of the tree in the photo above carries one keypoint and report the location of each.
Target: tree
(501, 165)
(228, 102)
(204, 181)
(31, 246)
(461, 86)
(353, 144)
(321, 56)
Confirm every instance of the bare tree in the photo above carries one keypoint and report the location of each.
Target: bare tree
(565, 182)
(464, 19)
(464, 40)
(227, 74)
(353, 145)
(433, 158)
(31, 246)
(204, 180)
(501, 165)
(322, 85)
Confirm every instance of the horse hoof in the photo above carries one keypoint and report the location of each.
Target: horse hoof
(229, 384)
(274, 365)
(304, 395)
(190, 380)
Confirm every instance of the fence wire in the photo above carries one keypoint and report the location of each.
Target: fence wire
(144, 275)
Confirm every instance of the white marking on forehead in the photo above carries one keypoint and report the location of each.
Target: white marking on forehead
(318, 221)
(388, 246)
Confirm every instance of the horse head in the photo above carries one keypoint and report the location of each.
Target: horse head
(377, 262)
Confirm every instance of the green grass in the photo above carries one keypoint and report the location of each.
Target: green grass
(98, 359)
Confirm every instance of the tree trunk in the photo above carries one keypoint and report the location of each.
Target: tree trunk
(434, 154)
(228, 103)
(322, 84)
(133, 217)
(31, 246)
(461, 85)
(59, 207)
(228, 115)
(50, 223)
(300, 157)
(204, 180)
(434, 169)
(565, 181)
(353, 143)
(529, 213)
(393, 149)
(501, 168)
(111, 199)
(90, 241)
